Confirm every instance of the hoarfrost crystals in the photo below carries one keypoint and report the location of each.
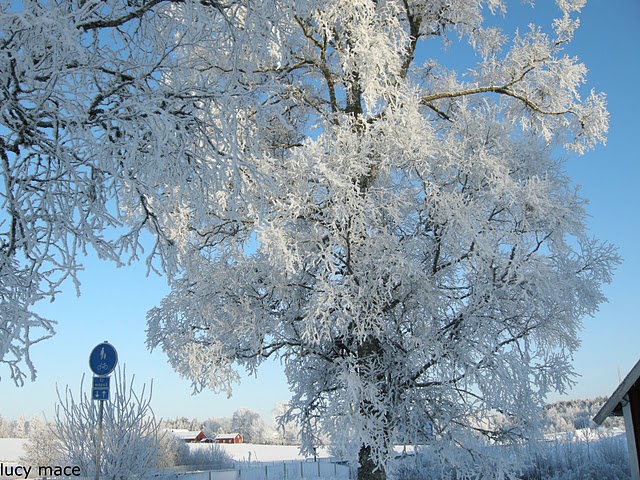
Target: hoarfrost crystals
(401, 238)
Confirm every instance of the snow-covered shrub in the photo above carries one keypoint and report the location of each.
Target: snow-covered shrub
(601, 459)
(471, 462)
(604, 458)
(171, 449)
(210, 456)
(130, 446)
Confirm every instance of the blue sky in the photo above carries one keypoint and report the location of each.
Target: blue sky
(114, 302)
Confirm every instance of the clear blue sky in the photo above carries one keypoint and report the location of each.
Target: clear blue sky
(114, 301)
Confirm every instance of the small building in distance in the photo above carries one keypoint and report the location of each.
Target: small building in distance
(625, 401)
(229, 438)
(189, 436)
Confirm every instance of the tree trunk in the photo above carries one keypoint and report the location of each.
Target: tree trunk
(367, 468)
(369, 351)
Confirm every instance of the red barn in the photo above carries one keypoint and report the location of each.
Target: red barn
(189, 436)
(229, 438)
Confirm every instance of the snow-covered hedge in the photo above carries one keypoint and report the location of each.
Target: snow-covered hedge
(604, 458)
(210, 456)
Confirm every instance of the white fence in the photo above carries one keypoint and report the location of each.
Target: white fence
(321, 470)
(294, 471)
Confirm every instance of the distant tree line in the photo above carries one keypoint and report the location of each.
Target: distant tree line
(570, 415)
(563, 416)
(18, 428)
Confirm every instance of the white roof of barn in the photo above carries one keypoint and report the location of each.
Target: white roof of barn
(224, 436)
(184, 434)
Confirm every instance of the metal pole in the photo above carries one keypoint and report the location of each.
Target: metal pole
(100, 410)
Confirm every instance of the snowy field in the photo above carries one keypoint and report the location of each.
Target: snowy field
(11, 449)
(271, 462)
(248, 452)
(255, 462)
(583, 435)
(585, 454)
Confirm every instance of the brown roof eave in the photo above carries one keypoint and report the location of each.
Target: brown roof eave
(613, 406)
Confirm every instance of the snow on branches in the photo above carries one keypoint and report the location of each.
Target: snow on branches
(319, 189)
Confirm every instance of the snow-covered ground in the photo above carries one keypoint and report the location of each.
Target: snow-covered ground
(249, 452)
(583, 435)
(11, 449)
(257, 462)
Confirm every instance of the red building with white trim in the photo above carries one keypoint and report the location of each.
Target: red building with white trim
(229, 438)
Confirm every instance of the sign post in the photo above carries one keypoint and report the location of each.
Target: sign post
(100, 388)
(102, 361)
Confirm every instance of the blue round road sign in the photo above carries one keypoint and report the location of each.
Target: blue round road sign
(103, 359)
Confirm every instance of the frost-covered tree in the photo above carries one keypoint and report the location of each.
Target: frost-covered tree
(21, 427)
(215, 425)
(182, 423)
(320, 188)
(130, 445)
(413, 250)
(43, 447)
(4, 428)
(288, 432)
(249, 424)
(84, 97)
